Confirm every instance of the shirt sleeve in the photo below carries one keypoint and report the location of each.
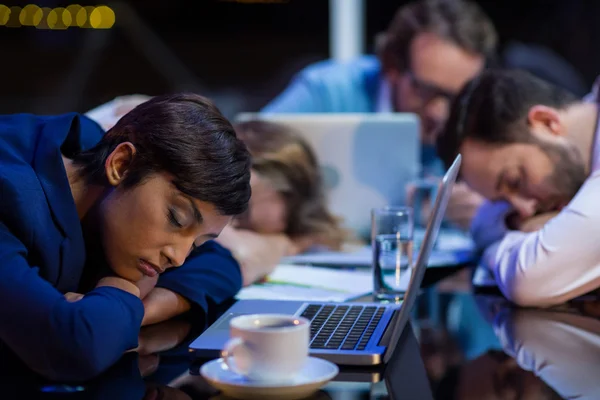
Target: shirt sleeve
(55, 338)
(209, 276)
(557, 263)
(303, 95)
(489, 224)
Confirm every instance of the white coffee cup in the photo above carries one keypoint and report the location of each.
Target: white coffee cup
(267, 347)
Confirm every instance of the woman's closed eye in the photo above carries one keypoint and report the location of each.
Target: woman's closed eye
(174, 219)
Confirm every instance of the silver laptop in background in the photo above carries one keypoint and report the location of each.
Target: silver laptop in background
(344, 333)
(368, 158)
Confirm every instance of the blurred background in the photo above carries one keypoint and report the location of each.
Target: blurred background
(241, 53)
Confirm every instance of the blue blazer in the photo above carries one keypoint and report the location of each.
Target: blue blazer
(341, 87)
(42, 256)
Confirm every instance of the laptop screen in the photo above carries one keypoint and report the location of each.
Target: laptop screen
(435, 221)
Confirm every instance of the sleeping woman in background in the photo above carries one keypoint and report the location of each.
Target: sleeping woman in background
(288, 202)
(287, 214)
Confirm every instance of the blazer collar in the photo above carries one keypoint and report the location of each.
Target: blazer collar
(49, 167)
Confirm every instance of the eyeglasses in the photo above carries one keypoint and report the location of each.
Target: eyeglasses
(428, 92)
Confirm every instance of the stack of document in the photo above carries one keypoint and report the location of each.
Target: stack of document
(303, 282)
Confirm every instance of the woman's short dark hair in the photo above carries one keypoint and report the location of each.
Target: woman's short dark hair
(457, 21)
(493, 108)
(186, 136)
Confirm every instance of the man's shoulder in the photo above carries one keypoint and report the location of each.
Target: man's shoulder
(360, 68)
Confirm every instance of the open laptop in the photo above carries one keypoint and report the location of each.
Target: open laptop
(344, 333)
(368, 158)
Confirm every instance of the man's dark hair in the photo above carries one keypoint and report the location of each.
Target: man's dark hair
(186, 136)
(493, 107)
(460, 22)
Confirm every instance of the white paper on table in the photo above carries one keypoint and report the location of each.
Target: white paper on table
(303, 282)
(287, 292)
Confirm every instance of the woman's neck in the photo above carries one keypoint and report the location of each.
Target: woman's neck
(87, 200)
(84, 195)
(96, 266)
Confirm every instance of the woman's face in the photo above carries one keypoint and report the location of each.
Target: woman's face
(152, 226)
(267, 211)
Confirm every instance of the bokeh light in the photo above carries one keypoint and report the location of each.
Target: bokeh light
(59, 18)
(43, 24)
(30, 15)
(56, 18)
(73, 10)
(88, 13)
(81, 17)
(66, 18)
(4, 14)
(13, 18)
(102, 17)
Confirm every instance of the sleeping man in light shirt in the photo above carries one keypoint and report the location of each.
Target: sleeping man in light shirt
(530, 148)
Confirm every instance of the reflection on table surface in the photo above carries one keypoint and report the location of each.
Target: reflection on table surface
(459, 346)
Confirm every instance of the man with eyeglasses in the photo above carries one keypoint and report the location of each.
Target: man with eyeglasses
(429, 51)
(532, 149)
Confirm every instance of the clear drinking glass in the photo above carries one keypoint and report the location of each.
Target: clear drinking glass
(392, 231)
(421, 195)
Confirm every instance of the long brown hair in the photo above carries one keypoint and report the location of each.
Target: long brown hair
(280, 155)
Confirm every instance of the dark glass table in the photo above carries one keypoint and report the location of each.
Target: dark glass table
(465, 346)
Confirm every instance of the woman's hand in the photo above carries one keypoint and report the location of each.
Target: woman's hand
(162, 304)
(258, 254)
(120, 283)
(146, 285)
(72, 297)
(159, 304)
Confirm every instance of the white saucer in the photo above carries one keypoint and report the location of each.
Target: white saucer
(314, 375)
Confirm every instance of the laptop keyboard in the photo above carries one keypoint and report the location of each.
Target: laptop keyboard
(341, 327)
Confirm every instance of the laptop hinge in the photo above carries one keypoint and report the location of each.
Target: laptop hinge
(385, 339)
